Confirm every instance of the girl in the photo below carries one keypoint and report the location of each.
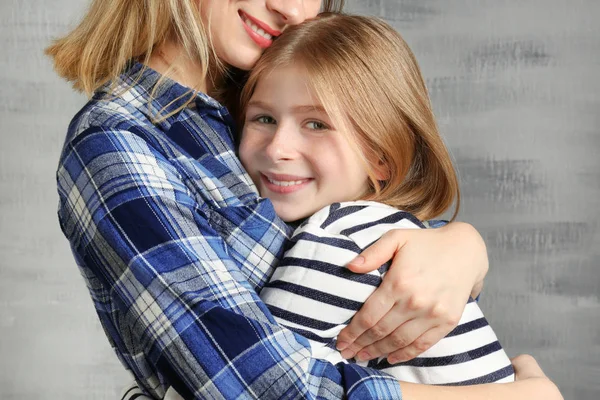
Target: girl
(337, 111)
(169, 233)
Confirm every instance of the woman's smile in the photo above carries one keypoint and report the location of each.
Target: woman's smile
(261, 33)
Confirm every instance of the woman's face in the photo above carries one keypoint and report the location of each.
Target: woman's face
(242, 29)
(292, 150)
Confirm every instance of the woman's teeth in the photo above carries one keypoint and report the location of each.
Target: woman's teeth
(285, 183)
(257, 29)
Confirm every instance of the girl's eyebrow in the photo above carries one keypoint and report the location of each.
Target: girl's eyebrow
(310, 108)
(258, 103)
(298, 109)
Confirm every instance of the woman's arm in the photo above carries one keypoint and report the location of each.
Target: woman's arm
(433, 273)
(175, 305)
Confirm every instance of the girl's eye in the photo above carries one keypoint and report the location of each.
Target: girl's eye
(265, 119)
(316, 125)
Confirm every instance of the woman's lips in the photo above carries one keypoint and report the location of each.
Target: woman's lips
(250, 24)
(265, 27)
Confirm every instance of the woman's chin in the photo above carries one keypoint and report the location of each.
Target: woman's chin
(244, 60)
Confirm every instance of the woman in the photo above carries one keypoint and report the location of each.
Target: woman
(169, 232)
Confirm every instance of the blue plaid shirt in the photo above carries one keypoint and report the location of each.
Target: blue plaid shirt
(174, 243)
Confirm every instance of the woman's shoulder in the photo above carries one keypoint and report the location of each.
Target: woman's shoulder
(105, 112)
(134, 100)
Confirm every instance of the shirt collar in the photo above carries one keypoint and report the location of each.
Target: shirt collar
(163, 95)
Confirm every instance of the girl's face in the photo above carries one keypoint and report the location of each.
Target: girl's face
(242, 29)
(292, 150)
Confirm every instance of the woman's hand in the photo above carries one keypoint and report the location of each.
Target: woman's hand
(423, 295)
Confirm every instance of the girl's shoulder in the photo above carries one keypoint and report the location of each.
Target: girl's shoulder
(353, 216)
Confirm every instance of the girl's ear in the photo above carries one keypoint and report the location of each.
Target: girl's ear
(381, 170)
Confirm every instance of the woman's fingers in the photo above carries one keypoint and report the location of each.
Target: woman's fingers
(402, 338)
(392, 332)
(418, 346)
(374, 309)
(380, 252)
(379, 303)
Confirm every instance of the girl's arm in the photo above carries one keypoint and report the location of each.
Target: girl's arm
(421, 299)
(529, 389)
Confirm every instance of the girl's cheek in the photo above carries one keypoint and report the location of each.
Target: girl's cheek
(243, 150)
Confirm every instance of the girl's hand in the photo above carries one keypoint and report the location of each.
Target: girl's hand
(526, 368)
(531, 384)
(422, 296)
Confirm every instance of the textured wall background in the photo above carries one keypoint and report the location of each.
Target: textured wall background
(516, 91)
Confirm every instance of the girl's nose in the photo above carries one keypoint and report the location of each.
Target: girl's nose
(282, 146)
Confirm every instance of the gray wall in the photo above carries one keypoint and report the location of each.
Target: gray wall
(515, 87)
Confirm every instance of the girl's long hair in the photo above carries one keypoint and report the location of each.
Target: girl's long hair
(114, 32)
(369, 82)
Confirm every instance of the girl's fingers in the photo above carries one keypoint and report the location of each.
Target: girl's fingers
(526, 367)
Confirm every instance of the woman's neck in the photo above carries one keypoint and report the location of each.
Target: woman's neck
(169, 59)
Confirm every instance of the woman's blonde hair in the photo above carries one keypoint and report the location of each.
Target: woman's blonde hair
(369, 82)
(113, 32)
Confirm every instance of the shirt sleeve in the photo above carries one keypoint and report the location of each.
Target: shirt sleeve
(172, 301)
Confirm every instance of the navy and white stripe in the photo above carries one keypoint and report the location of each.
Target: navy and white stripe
(312, 293)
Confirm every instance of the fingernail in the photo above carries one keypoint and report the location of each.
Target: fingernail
(347, 354)
(341, 345)
(395, 360)
(360, 260)
(363, 356)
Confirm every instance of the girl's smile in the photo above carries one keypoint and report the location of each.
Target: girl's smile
(283, 184)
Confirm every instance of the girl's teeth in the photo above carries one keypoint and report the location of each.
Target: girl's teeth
(258, 30)
(285, 183)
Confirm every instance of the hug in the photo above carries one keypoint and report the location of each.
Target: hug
(247, 196)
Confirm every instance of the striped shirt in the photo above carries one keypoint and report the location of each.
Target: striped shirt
(313, 294)
(174, 243)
